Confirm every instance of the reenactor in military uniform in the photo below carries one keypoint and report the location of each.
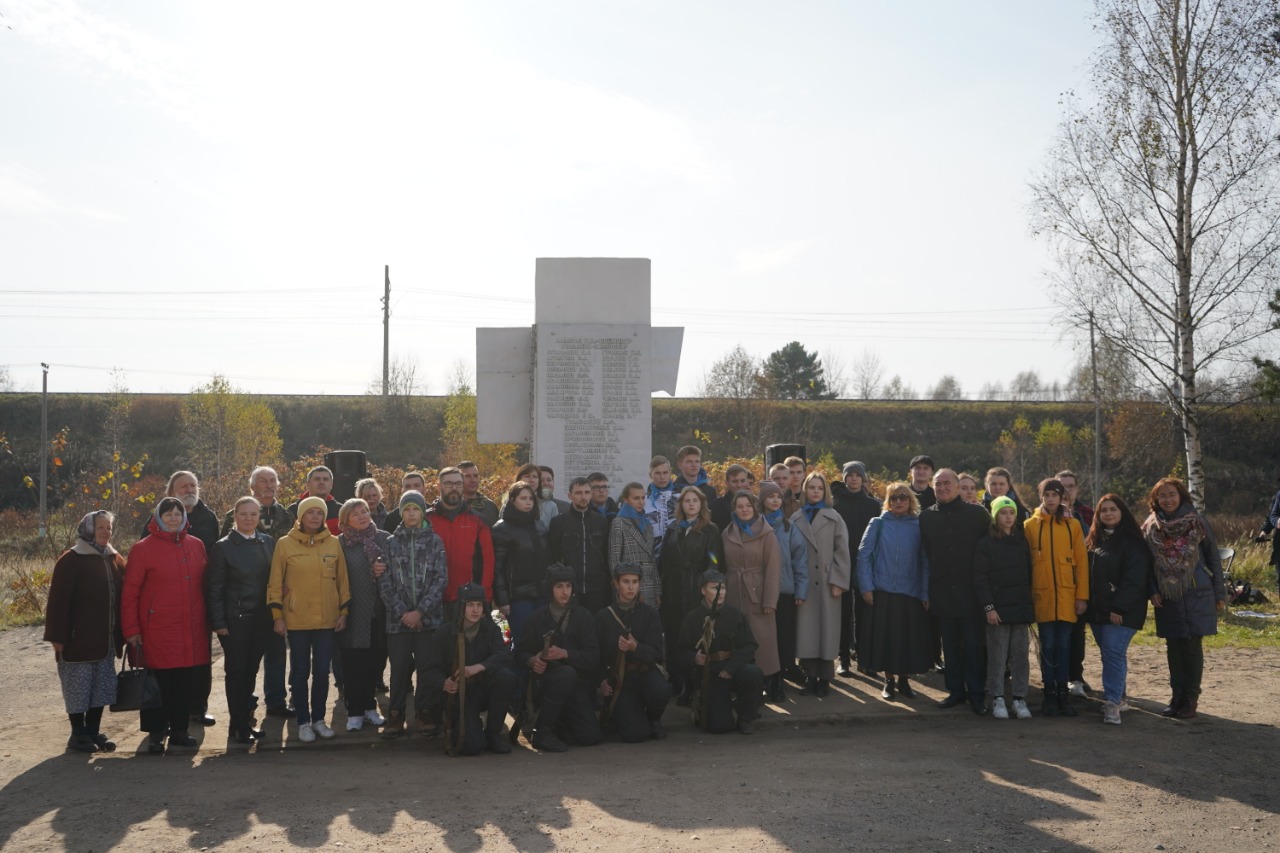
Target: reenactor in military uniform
(717, 645)
(558, 646)
(491, 683)
(635, 692)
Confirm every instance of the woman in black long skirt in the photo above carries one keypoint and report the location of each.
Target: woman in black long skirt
(894, 578)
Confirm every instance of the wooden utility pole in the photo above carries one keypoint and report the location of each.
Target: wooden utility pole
(1097, 415)
(386, 330)
(44, 451)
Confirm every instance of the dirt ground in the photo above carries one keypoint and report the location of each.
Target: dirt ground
(846, 772)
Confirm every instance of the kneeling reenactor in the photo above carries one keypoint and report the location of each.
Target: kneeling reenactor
(490, 681)
(558, 645)
(716, 638)
(630, 632)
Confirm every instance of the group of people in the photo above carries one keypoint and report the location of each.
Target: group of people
(614, 607)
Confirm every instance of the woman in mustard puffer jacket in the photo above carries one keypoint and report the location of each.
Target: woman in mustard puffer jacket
(309, 563)
(1059, 589)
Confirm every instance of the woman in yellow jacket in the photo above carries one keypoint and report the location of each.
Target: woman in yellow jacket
(308, 563)
(1059, 589)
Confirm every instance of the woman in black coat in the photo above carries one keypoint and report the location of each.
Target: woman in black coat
(852, 498)
(1002, 585)
(239, 569)
(1188, 588)
(1119, 570)
(520, 557)
(691, 545)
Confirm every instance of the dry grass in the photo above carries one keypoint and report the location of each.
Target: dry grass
(24, 589)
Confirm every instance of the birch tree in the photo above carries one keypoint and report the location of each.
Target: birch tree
(1161, 192)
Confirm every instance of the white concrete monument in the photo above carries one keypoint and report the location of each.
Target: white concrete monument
(578, 385)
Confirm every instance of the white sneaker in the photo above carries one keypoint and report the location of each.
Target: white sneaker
(998, 710)
(321, 729)
(355, 724)
(1021, 710)
(306, 733)
(374, 718)
(1124, 704)
(1077, 689)
(1111, 713)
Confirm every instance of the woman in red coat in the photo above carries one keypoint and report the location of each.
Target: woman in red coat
(162, 611)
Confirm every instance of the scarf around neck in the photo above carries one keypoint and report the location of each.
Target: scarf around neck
(810, 510)
(367, 539)
(1175, 550)
(629, 512)
(744, 526)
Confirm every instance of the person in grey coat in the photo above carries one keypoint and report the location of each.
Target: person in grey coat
(830, 577)
(363, 644)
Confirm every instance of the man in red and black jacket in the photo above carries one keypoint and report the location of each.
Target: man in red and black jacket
(468, 545)
(319, 484)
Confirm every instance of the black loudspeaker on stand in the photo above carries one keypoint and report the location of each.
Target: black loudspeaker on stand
(348, 466)
(775, 453)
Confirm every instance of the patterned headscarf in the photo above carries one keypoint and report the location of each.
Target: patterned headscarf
(86, 530)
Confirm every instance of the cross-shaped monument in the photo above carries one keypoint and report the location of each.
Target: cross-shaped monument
(577, 385)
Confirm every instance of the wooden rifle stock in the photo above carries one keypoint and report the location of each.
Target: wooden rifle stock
(619, 675)
(458, 720)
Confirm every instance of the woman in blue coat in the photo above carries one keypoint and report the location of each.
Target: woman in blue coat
(793, 578)
(893, 574)
(1186, 588)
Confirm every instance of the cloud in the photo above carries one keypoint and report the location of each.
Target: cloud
(764, 259)
(106, 49)
(20, 194)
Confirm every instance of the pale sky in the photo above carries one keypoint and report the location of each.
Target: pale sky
(191, 188)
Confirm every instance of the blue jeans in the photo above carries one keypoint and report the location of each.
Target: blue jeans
(520, 612)
(273, 671)
(1113, 644)
(1055, 651)
(310, 654)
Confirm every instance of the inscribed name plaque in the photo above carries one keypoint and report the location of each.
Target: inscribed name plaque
(593, 382)
(578, 386)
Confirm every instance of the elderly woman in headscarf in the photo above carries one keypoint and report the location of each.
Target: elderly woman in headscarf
(163, 615)
(82, 624)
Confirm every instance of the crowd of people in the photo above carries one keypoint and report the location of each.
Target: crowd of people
(615, 607)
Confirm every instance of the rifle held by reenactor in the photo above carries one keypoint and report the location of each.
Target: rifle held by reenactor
(459, 720)
(616, 677)
(701, 708)
(526, 710)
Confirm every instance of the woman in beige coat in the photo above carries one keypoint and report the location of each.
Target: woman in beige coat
(753, 567)
(818, 622)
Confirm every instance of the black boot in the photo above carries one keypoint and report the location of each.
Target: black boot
(905, 688)
(1064, 700)
(810, 687)
(1050, 707)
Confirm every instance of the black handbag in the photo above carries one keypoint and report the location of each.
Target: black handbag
(137, 688)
